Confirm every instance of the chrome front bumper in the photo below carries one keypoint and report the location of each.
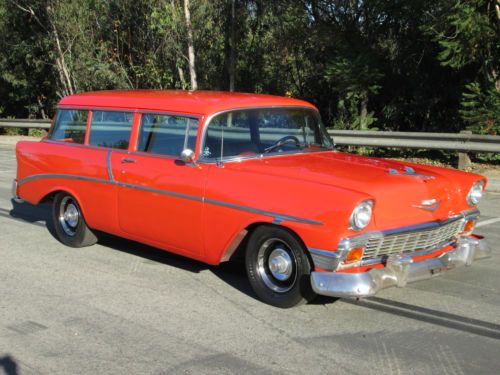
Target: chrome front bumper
(398, 271)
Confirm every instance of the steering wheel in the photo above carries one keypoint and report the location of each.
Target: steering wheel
(280, 142)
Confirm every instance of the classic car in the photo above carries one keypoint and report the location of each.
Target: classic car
(216, 176)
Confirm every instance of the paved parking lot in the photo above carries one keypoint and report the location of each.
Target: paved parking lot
(121, 307)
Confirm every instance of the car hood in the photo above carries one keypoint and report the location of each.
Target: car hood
(404, 193)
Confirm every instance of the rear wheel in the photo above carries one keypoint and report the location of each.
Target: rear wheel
(69, 223)
(278, 268)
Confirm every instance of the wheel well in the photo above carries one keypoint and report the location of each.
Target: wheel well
(50, 196)
(239, 253)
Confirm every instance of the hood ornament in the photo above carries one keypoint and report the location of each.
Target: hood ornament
(429, 205)
(409, 171)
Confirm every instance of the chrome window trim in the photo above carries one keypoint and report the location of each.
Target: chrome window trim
(128, 110)
(186, 134)
(218, 160)
(277, 217)
(118, 150)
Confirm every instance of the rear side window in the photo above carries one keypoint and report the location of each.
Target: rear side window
(111, 129)
(166, 134)
(70, 126)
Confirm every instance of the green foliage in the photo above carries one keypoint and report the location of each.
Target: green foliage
(420, 65)
(480, 109)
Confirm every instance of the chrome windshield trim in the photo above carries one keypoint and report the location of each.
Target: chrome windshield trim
(229, 159)
(277, 217)
(210, 118)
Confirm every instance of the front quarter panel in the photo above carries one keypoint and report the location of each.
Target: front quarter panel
(235, 199)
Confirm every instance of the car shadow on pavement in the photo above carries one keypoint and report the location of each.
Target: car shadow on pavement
(40, 215)
(9, 365)
(232, 273)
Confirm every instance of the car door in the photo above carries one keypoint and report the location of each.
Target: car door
(160, 199)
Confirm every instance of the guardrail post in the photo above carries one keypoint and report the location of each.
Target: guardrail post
(464, 161)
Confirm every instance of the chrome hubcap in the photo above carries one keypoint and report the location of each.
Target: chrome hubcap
(69, 216)
(276, 265)
(280, 264)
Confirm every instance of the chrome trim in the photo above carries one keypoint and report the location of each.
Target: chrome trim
(233, 246)
(118, 109)
(327, 260)
(428, 207)
(160, 191)
(360, 240)
(13, 191)
(274, 215)
(210, 117)
(108, 165)
(381, 259)
(409, 171)
(399, 271)
(60, 175)
(102, 148)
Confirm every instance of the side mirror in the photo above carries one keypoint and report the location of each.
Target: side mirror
(187, 156)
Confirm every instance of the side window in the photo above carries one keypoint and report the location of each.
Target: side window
(230, 134)
(70, 126)
(166, 134)
(111, 129)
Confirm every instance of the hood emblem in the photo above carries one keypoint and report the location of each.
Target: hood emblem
(409, 171)
(429, 205)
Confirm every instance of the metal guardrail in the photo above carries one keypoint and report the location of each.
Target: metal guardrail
(26, 123)
(460, 142)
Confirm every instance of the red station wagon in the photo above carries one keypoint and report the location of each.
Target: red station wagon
(214, 175)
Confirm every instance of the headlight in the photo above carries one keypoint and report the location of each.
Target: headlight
(361, 215)
(475, 193)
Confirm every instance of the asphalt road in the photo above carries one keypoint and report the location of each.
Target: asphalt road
(120, 307)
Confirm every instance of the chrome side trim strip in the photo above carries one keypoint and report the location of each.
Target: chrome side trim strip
(160, 191)
(277, 217)
(59, 175)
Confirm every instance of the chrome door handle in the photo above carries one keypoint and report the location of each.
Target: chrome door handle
(128, 160)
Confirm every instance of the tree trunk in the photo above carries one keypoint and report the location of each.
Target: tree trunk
(232, 47)
(181, 77)
(191, 56)
(64, 75)
(364, 114)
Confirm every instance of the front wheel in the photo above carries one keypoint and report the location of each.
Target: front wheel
(278, 268)
(69, 224)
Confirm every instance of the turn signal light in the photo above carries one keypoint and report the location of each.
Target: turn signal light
(354, 255)
(469, 226)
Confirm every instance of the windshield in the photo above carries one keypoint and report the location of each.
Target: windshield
(250, 132)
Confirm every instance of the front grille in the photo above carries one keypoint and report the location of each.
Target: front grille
(409, 242)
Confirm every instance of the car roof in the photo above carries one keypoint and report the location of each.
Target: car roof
(179, 101)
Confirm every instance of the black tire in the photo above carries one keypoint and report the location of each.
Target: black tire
(270, 253)
(69, 223)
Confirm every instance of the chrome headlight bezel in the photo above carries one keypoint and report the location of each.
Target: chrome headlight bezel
(475, 193)
(361, 215)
